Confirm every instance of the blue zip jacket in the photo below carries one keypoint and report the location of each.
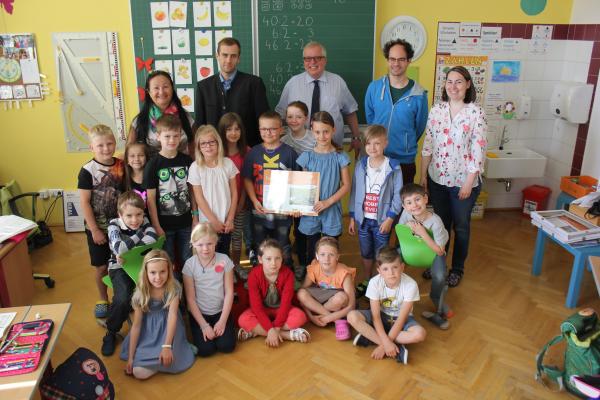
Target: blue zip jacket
(390, 204)
(404, 120)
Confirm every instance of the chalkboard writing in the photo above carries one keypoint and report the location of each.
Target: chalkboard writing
(344, 27)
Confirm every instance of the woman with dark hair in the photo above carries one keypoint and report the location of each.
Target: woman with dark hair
(452, 162)
(160, 99)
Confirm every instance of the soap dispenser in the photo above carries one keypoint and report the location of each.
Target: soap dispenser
(572, 101)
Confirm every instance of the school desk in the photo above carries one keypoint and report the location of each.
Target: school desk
(16, 275)
(580, 261)
(20, 387)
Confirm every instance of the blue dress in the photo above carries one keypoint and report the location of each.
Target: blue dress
(152, 337)
(329, 165)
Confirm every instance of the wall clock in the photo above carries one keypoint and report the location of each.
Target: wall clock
(407, 28)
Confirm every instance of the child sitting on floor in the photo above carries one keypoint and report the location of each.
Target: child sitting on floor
(271, 289)
(389, 322)
(327, 293)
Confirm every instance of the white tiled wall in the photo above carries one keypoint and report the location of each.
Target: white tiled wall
(565, 60)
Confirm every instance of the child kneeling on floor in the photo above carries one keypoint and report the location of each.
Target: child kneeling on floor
(389, 322)
(271, 289)
(327, 294)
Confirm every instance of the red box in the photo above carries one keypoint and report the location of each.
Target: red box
(535, 198)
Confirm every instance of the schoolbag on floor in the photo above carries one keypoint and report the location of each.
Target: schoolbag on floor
(581, 331)
(82, 376)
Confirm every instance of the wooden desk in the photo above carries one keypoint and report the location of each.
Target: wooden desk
(24, 386)
(16, 274)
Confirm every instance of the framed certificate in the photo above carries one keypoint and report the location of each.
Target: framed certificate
(290, 191)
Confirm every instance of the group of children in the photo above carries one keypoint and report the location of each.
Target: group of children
(134, 201)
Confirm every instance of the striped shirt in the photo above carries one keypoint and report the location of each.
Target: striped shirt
(121, 239)
(305, 143)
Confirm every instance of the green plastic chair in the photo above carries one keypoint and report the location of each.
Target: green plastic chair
(415, 251)
(132, 260)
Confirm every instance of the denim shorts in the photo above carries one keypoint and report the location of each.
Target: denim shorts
(388, 320)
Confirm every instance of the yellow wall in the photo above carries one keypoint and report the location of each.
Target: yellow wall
(32, 147)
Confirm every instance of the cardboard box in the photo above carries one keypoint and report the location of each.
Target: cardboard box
(580, 211)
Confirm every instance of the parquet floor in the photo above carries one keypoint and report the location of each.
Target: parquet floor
(503, 317)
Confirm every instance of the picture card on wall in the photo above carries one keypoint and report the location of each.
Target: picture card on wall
(203, 43)
(202, 15)
(222, 13)
(181, 41)
(19, 92)
(162, 41)
(33, 91)
(159, 14)
(5, 92)
(183, 72)
(221, 34)
(204, 68)
(178, 13)
(164, 65)
(186, 95)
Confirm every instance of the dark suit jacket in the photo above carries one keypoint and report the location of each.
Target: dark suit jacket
(247, 97)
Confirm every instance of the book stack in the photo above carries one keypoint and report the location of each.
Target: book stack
(567, 227)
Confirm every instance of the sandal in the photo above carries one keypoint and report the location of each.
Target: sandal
(244, 335)
(299, 335)
(453, 279)
(437, 319)
(342, 329)
(427, 274)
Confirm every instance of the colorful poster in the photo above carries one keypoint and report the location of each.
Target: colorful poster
(506, 71)
(159, 14)
(223, 13)
(186, 95)
(202, 14)
(476, 65)
(203, 43)
(19, 67)
(181, 41)
(178, 13)
(183, 72)
(204, 68)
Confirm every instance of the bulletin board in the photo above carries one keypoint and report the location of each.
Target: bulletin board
(19, 71)
(180, 37)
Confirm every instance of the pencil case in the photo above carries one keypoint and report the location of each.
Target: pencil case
(23, 347)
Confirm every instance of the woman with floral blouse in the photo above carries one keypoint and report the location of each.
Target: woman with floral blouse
(452, 162)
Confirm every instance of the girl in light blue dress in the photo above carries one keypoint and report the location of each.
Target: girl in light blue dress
(332, 164)
(156, 342)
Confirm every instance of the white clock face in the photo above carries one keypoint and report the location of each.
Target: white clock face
(407, 28)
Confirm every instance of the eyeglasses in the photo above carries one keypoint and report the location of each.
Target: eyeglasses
(270, 130)
(208, 144)
(397, 60)
(315, 59)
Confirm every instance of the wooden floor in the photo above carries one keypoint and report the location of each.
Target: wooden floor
(503, 317)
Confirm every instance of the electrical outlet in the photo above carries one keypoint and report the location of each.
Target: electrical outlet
(44, 194)
(55, 192)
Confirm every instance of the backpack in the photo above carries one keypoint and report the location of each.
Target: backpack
(581, 331)
(84, 368)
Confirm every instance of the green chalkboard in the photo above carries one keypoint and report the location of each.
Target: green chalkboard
(143, 14)
(345, 27)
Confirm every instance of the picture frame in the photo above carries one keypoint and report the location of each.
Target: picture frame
(286, 192)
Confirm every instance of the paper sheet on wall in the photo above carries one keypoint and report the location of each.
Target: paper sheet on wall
(203, 43)
(178, 13)
(159, 14)
(476, 65)
(181, 41)
(222, 13)
(204, 68)
(164, 65)
(202, 14)
(19, 67)
(448, 33)
(72, 212)
(186, 95)
(490, 38)
(540, 39)
(183, 72)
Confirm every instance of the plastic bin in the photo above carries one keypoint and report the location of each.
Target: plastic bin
(578, 186)
(535, 198)
(479, 207)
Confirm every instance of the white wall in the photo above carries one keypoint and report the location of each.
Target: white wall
(585, 12)
(591, 156)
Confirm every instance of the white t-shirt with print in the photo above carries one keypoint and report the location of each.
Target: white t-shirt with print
(373, 181)
(215, 186)
(391, 299)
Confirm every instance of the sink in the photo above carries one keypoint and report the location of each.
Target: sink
(514, 163)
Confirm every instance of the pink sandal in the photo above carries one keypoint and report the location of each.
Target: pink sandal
(342, 329)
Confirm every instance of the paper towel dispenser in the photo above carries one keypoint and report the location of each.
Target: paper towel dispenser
(571, 101)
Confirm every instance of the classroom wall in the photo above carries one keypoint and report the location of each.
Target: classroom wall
(585, 12)
(32, 147)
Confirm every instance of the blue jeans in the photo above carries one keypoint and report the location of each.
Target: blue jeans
(438, 283)
(180, 238)
(456, 215)
(370, 239)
